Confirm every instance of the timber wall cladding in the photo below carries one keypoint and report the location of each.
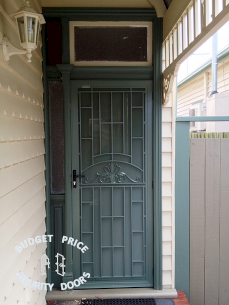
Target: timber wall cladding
(209, 225)
(22, 181)
(193, 91)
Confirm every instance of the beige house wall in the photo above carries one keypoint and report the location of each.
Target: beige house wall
(194, 90)
(22, 181)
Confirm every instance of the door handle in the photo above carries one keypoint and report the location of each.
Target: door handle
(74, 176)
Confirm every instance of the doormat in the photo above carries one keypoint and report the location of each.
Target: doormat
(116, 302)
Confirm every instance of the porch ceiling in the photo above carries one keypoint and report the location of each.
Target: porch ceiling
(159, 5)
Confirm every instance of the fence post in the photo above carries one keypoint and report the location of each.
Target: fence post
(182, 207)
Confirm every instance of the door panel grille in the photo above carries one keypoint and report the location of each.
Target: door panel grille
(113, 192)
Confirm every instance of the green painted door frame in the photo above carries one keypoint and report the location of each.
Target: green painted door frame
(67, 72)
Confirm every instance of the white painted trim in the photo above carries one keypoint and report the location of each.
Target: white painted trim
(174, 12)
(174, 102)
(202, 33)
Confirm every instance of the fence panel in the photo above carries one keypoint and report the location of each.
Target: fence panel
(224, 224)
(209, 221)
(197, 210)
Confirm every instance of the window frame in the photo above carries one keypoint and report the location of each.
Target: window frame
(149, 26)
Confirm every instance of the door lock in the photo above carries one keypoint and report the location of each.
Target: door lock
(74, 176)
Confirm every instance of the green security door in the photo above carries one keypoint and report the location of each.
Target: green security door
(112, 202)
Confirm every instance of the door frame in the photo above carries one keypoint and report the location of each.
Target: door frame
(69, 72)
(65, 72)
(147, 85)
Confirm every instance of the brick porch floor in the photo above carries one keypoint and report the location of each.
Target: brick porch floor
(181, 299)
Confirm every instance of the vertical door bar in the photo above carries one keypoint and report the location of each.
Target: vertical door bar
(101, 249)
(144, 134)
(93, 228)
(124, 225)
(112, 226)
(80, 133)
(112, 128)
(123, 125)
(81, 223)
(92, 126)
(131, 225)
(144, 226)
(131, 123)
(100, 134)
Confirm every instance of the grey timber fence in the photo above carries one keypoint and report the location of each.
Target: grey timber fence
(209, 220)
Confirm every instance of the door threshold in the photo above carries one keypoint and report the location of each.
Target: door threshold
(119, 293)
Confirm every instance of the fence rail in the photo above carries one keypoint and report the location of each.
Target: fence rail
(201, 135)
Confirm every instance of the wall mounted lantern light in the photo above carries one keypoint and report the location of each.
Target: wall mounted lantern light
(28, 25)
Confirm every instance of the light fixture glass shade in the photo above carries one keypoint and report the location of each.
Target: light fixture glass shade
(28, 26)
(31, 29)
(21, 28)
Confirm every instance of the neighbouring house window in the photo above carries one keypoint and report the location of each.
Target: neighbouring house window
(111, 43)
(197, 109)
(56, 121)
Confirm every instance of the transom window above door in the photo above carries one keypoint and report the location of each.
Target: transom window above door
(111, 43)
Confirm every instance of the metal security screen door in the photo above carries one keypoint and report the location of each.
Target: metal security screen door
(112, 203)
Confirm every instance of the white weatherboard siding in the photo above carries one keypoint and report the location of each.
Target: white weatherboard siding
(194, 90)
(168, 210)
(22, 181)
